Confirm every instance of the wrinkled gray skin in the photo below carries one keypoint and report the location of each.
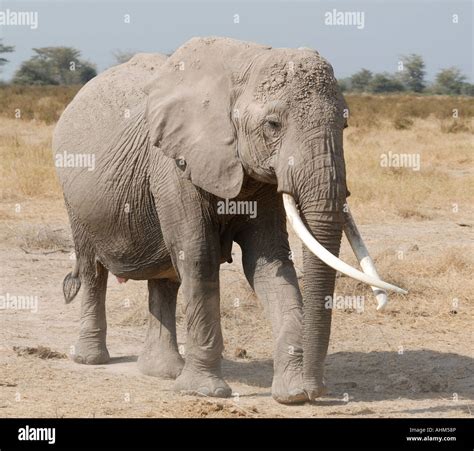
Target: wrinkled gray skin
(172, 136)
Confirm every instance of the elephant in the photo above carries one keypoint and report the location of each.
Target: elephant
(172, 138)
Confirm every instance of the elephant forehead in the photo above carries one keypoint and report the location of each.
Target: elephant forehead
(307, 85)
(314, 109)
(282, 67)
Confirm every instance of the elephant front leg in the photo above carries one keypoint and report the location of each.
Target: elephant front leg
(204, 344)
(275, 284)
(160, 356)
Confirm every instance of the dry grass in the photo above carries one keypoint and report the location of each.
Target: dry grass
(445, 176)
(435, 281)
(41, 352)
(410, 213)
(40, 103)
(32, 237)
(367, 110)
(27, 168)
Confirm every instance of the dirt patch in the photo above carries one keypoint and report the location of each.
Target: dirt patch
(42, 352)
(241, 353)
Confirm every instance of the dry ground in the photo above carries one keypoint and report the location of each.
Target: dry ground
(414, 359)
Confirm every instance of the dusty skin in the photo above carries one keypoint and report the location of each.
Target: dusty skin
(416, 359)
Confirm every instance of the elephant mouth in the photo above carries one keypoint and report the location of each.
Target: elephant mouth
(369, 274)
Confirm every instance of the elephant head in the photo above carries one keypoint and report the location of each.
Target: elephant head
(226, 108)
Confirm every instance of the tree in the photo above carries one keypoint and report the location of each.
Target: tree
(467, 89)
(385, 83)
(450, 81)
(344, 84)
(5, 49)
(55, 66)
(122, 56)
(360, 80)
(413, 74)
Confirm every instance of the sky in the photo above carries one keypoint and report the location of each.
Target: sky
(390, 29)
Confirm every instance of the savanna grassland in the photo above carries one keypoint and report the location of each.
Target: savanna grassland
(413, 359)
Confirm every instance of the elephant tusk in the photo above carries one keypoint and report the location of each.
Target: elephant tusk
(362, 254)
(324, 255)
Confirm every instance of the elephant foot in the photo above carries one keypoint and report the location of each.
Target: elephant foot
(200, 383)
(166, 364)
(315, 390)
(90, 353)
(288, 388)
(287, 385)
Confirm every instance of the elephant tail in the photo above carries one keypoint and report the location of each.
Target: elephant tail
(71, 284)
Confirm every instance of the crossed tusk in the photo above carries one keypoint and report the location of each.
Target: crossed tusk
(362, 254)
(369, 276)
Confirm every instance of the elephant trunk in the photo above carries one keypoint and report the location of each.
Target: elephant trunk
(318, 287)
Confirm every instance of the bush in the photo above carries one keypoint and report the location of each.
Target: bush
(381, 83)
(360, 81)
(449, 82)
(402, 123)
(454, 126)
(343, 84)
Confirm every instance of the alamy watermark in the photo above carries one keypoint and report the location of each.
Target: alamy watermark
(37, 434)
(11, 18)
(237, 207)
(400, 160)
(75, 160)
(340, 302)
(345, 18)
(13, 302)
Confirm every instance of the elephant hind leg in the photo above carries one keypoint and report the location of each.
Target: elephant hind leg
(160, 356)
(90, 275)
(91, 347)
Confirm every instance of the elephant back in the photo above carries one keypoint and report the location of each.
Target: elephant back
(103, 106)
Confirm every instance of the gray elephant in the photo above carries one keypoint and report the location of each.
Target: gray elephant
(171, 140)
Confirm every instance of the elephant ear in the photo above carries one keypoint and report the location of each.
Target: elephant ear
(189, 115)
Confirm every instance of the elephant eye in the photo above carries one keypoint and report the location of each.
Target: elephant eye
(273, 122)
